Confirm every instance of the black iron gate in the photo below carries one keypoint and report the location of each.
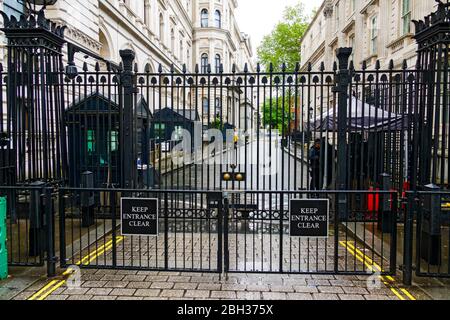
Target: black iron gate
(207, 231)
(89, 127)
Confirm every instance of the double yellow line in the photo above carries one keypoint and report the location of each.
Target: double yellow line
(388, 281)
(53, 285)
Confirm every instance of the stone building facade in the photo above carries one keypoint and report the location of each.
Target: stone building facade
(161, 32)
(375, 29)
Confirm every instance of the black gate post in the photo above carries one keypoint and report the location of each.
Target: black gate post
(432, 35)
(128, 85)
(342, 89)
(34, 93)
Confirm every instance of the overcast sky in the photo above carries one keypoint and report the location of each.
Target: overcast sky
(258, 17)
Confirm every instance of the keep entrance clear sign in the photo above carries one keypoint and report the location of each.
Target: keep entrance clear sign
(139, 217)
(309, 218)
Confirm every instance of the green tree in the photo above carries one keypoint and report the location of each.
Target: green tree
(276, 114)
(282, 45)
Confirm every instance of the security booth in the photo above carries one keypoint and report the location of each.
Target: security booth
(168, 121)
(93, 127)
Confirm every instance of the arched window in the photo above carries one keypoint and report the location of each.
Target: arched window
(205, 106)
(161, 27)
(204, 18)
(217, 19)
(217, 62)
(204, 63)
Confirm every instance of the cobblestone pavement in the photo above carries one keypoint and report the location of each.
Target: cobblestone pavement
(147, 285)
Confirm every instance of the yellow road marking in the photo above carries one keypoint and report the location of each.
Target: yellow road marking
(53, 289)
(53, 285)
(366, 260)
(37, 294)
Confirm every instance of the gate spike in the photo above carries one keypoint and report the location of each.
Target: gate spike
(258, 67)
(322, 66)
(418, 65)
(297, 67)
(405, 64)
(351, 66)
(1, 67)
(245, 68)
(160, 68)
(221, 68)
(197, 69)
(309, 66)
(85, 66)
(97, 66)
(377, 65)
(172, 68)
(147, 68)
(335, 66)
(184, 68)
(136, 68)
(233, 69)
(108, 66)
(209, 68)
(283, 67)
(271, 67)
(391, 64)
(364, 65)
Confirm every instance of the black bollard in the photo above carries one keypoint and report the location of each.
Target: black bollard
(87, 200)
(431, 238)
(385, 216)
(36, 233)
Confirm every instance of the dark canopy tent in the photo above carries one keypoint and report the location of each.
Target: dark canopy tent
(361, 117)
(93, 124)
(370, 130)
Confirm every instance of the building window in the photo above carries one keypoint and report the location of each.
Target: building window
(374, 35)
(205, 106)
(147, 13)
(351, 44)
(218, 19)
(172, 41)
(406, 16)
(204, 18)
(161, 27)
(218, 106)
(13, 8)
(336, 12)
(204, 63)
(181, 50)
(218, 62)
